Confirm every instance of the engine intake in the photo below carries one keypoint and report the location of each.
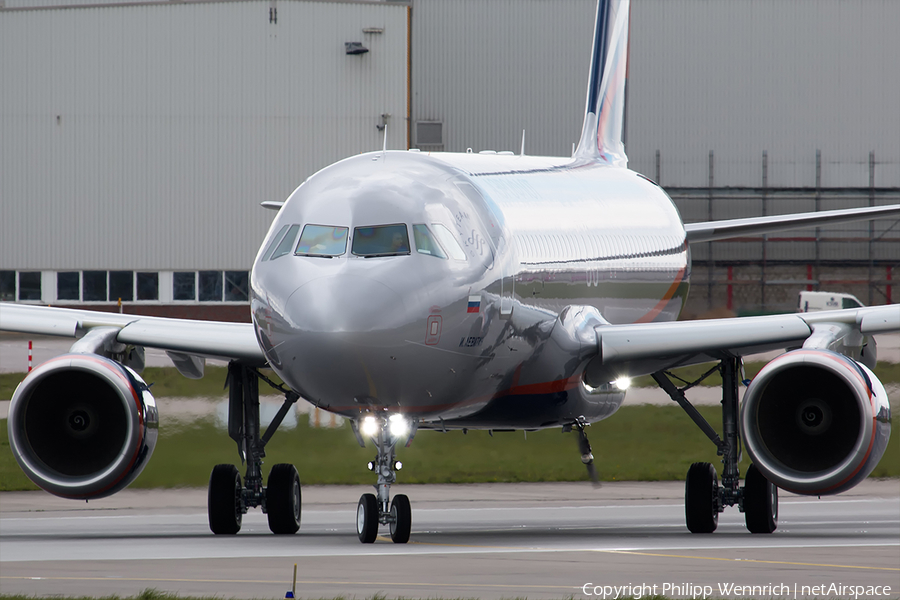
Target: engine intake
(815, 422)
(82, 426)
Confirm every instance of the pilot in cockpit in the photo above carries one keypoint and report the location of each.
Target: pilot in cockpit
(398, 243)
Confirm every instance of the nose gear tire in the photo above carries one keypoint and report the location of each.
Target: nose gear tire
(367, 518)
(401, 519)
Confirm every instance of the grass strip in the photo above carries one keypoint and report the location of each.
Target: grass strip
(639, 443)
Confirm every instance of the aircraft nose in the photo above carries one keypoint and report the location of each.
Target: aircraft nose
(345, 304)
(347, 332)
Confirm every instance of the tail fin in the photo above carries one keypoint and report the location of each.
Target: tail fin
(604, 115)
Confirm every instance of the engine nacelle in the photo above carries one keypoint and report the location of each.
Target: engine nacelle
(815, 422)
(82, 426)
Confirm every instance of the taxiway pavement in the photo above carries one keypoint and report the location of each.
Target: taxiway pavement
(469, 541)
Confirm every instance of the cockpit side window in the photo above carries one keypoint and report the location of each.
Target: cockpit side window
(448, 241)
(322, 240)
(287, 242)
(275, 239)
(380, 240)
(425, 242)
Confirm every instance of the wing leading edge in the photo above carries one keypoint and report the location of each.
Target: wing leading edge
(207, 339)
(721, 230)
(641, 349)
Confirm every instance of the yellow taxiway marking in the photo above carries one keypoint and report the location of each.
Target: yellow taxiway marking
(749, 560)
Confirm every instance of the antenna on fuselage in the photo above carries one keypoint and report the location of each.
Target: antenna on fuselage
(522, 151)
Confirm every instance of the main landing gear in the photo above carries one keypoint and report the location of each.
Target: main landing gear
(377, 509)
(228, 499)
(704, 498)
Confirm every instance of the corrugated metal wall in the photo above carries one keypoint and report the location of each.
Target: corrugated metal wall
(487, 69)
(738, 77)
(145, 136)
(742, 76)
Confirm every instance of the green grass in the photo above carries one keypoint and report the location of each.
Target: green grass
(639, 443)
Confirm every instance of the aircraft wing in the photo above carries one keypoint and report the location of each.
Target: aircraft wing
(721, 230)
(640, 349)
(207, 339)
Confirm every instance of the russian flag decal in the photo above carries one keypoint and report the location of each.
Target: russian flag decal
(474, 304)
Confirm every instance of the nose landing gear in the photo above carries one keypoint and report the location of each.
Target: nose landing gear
(377, 509)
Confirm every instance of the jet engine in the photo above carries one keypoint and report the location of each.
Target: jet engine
(815, 422)
(82, 426)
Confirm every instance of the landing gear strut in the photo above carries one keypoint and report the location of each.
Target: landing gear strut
(377, 509)
(229, 499)
(704, 498)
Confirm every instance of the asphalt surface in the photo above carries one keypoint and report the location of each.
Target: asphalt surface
(484, 541)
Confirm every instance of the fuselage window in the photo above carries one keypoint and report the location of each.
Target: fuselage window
(275, 240)
(425, 242)
(380, 240)
(448, 241)
(322, 240)
(287, 242)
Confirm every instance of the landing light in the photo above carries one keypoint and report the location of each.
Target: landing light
(370, 426)
(623, 383)
(399, 426)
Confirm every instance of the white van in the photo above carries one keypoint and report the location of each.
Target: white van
(815, 301)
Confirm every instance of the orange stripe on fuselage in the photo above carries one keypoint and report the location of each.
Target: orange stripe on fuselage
(670, 293)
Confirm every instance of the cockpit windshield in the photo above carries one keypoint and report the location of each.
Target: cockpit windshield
(322, 240)
(448, 241)
(380, 240)
(425, 242)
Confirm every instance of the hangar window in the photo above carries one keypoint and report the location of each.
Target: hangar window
(237, 286)
(448, 241)
(7, 285)
(68, 285)
(148, 286)
(210, 286)
(425, 242)
(322, 240)
(93, 286)
(380, 240)
(121, 286)
(30, 285)
(286, 243)
(184, 286)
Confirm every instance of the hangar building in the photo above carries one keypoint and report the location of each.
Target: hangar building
(138, 139)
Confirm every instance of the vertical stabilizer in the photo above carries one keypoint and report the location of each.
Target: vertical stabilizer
(604, 114)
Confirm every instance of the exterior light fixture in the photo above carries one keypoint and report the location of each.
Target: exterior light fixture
(355, 48)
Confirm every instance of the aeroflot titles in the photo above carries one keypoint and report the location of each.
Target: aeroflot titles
(639, 590)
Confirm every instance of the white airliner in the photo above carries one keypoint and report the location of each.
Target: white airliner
(407, 291)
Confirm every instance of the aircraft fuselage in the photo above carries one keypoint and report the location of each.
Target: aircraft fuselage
(438, 285)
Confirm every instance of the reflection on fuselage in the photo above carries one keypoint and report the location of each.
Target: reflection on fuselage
(470, 321)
